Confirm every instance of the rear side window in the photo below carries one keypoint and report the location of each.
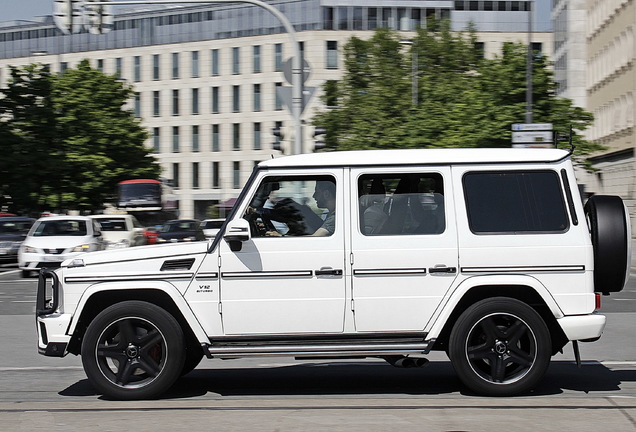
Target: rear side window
(510, 202)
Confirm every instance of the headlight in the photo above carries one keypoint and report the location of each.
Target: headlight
(30, 249)
(82, 248)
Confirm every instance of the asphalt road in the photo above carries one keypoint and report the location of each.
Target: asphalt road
(40, 393)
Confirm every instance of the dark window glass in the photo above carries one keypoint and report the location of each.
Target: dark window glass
(515, 202)
(401, 204)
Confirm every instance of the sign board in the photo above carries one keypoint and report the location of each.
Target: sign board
(287, 70)
(285, 94)
(532, 127)
(536, 137)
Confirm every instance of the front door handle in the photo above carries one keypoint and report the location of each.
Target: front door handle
(442, 269)
(328, 271)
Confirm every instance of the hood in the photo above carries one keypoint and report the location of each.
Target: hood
(133, 255)
(58, 242)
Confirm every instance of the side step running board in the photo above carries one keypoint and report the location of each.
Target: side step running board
(317, 350)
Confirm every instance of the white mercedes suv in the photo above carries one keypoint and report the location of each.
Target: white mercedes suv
(489, 255)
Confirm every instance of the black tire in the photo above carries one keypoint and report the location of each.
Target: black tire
(26, 273)
(609, 229)
(145, 338)
(500, 347)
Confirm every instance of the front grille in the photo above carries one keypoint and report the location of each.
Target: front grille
(5, 245)
(54, 251)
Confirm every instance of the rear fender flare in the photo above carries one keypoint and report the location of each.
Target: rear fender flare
(454, 297)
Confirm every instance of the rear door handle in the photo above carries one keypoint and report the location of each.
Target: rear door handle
(328, 271)
(442, 269)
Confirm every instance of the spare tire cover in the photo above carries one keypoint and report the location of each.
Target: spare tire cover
(609, 228)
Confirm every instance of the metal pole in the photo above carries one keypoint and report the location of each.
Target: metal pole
(297, 91)
(529, 67)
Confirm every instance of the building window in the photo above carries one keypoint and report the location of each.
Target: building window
(236, 98)
(137, 68)
(63, 66)
(327, 18)
(277, 139)
(278, 57)
(215, 175)
(195, 101)
(236, 61)
(100, 65)
(216, 138)
(236, 136)
(257, 59)
(215, 100)
(175, 139)
(236, 171)
(195, 175)
(156, 140)
(257, 97)
(332, 55)
(175, 65)
(195, 64)
(257, 136)
(155, 67)
(215, 62)
(156, 103)
(278, 104)
(175, 102)
(119, 64)
(195, 138)
(175, 175)
(137, 108)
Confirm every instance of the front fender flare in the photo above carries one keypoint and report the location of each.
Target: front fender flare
(163, 286)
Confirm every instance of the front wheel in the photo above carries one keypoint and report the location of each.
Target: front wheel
(133, 350)
(500, 347)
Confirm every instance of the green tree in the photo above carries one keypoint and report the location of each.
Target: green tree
(463, 100)
(70, 139)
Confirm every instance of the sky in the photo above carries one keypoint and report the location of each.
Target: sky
(28, 9)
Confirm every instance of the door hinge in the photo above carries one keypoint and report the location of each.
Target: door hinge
(351, 258)
(220, 308)
(353, 305)
(219, 261)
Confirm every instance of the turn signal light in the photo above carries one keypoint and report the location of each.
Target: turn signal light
(597, 306)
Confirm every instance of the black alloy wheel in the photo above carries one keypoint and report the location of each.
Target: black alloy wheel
(500, 347)
(133, 350)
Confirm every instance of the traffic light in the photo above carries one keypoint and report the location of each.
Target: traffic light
(284, 138)
(319, 144)
(67, 15)
(99, 18)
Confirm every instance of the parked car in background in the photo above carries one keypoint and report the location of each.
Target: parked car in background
(121, 231)
(151, 234)
(13, 231)
(211, 227)
(181, 230)
(54, 239)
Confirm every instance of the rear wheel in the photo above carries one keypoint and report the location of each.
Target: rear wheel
(500, 347)
(133, 350)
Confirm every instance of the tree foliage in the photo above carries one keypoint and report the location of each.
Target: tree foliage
(462, 99)
(68, 139)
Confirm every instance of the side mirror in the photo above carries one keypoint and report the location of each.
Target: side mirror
(237, 231)
(97, 234)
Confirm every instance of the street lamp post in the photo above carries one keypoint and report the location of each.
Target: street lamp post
(414, 70)
(529, 67)
(297, 92)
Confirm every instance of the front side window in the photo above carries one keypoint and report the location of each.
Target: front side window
(293, 206)
(515, 202)
(401, 204)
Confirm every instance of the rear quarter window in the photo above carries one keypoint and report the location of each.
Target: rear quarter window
(511, 202)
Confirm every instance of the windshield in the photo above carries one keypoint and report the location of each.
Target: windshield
(15, 227)
(113, 224)
(171, 227)
(66, 227)
(213, 224)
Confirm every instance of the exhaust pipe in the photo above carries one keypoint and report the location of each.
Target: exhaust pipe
(406, 362)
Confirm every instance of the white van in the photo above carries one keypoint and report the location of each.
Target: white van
(488, 255)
